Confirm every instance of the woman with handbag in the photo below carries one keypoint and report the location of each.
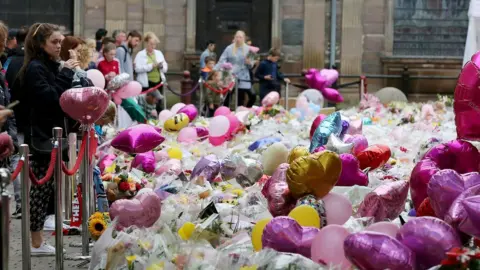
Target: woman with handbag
(42, 83)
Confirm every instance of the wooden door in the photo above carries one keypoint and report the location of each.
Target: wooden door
(218, 20)
(17, 13)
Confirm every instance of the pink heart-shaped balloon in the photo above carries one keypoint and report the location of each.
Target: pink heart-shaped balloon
(331, 75)
(275, 190)
(439, 157)
(459, 214)
(142, 211)
(284, 234)
(359, 142)
(446, 185)
(375, 251)
(467, 102)
(145, 161)
(351, 174)
(85, 105)
(385, 202)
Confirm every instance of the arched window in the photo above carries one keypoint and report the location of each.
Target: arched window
(430, 27)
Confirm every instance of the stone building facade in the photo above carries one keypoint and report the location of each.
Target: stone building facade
(365, 39)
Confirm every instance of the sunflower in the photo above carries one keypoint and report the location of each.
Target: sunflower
(96, 227)
(96, 215)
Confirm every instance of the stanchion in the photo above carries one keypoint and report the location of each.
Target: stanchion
(57, 132)
(5, 179)
(86, 197)
(287, 94)
(165, 85)
(363, 86)
(92, 202)
(200, 100)
(24, 175)
(70, 180)
(236, 93)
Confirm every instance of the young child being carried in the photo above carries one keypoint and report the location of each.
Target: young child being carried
(214, 95)
(209, 64)
(269, 75)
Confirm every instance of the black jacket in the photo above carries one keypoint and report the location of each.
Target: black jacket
(42, 86)
(265, 68)
(15, 65)
(10, 126)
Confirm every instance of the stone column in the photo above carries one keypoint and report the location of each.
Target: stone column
(115, 15)
(314, 34)
(352, 37)
(154, 19)
(389, 9)
(276, 24)
(135, 15)
(191, 25)
(94, 17)
(78, 16)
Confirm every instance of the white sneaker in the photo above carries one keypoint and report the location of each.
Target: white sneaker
(44, 250)
(49, 224)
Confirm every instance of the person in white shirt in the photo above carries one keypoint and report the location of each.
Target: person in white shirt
(150, 64)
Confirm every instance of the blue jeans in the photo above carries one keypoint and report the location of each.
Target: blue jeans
(17, 184)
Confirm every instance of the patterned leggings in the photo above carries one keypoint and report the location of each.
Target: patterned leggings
(40, 196)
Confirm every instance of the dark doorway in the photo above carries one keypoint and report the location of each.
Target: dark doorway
(220, 19)
(16, 13)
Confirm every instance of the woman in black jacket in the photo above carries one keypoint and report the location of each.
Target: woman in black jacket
(42, 84)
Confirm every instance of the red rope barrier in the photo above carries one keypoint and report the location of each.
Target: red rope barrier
(79, 159)
(18, 169)
(152, 89)
(49, 174)
(222, 91)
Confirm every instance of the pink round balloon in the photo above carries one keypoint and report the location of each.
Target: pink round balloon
(175, 108)
(131, 89)
(467, 102)
(219, 126)
(164, 115)
(359, 142)
(316, 123)
(145, 162)
(222, 111)
(187, 135)
(351, 174)
(234, 123)
(190, 110)
(384, 227)
(161, 156)
(141, 211)
(216, 141)
(85, 105)
(172, 167)
(442, 156)
(327, 247)
(271, 99)
(96, 77)
(337, 207)
(138, 139)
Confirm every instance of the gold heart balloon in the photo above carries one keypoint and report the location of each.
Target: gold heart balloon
(296, 152)
(314, 174)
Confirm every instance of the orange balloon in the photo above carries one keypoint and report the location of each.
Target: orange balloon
(374, 156)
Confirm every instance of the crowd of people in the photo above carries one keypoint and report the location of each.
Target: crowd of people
(39, 63)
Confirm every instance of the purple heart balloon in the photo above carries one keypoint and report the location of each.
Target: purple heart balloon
(146, 161)
(207, 166)
(202, 133)
(351, 174)
(375, 251)
(429, 238)
(359, 142)
(138, 139)
(190, 110)
(385, 202)
(284, 234)
(275, 190)
(445, 186)
(472, 207)
(459, 217)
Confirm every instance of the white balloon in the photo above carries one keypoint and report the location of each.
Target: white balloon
(314, 96)
(218, 126)
(175, 108)
(336, 145)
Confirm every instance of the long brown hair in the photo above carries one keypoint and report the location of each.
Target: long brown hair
(37, 36)
(3, 36)
(69, 43)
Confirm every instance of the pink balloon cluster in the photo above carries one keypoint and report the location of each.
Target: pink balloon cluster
(322, 81)
(222, 126)
(131, 89)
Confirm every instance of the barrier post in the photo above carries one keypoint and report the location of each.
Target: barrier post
(57, 132)
(200, 100)
(24, 175)
(236, 93)
(70, 180)
(5, 179)
(287, 94)
(186, 86)
(165, 85)
(85, 196)
(93, 201)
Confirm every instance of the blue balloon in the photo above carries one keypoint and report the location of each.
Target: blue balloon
(263, 142)
(330, 125)
(345, 126)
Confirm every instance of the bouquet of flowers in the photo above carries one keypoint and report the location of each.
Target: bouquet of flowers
(227, 73)
(253, 53)
(123, 186)
(461, 258)
(98, 223)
